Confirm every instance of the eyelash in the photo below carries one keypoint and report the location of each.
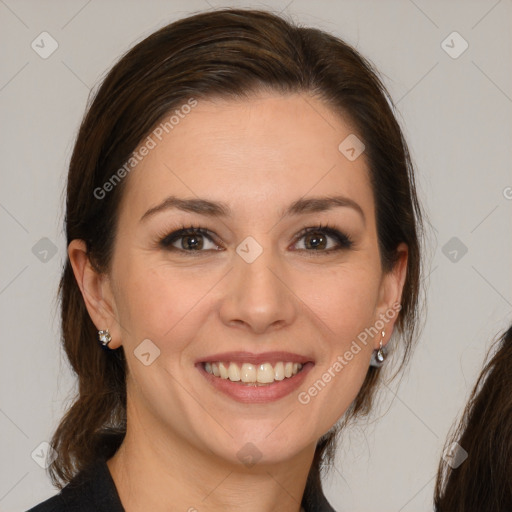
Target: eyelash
(344, 241)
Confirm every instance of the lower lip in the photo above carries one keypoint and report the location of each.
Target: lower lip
(257, 394)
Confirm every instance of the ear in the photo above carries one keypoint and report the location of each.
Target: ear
(96, 290)
(390, 294)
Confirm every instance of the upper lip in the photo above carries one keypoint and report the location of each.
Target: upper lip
(250, 357)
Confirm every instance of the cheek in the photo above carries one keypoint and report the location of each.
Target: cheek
(158, 300)
(344, 300)
(345, 303)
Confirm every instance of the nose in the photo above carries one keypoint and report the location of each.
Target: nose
(258, 297)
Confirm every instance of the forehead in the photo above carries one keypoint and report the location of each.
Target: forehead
(267, 150)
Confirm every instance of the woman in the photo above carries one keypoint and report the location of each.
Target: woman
(243, 240)
(476, 472)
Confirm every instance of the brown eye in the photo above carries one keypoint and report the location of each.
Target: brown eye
(315, 240)
(189, 240)
(323, 239)
(193, 242)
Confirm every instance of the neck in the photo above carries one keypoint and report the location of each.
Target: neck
(171, 474)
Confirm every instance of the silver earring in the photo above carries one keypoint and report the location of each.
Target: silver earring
(379, 355)
(104, 338)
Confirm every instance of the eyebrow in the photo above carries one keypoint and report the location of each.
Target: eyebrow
(219, 209)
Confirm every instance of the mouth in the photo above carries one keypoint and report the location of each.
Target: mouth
(253, 374)
(251, 378)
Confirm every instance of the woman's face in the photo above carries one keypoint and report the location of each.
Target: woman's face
(252, 289)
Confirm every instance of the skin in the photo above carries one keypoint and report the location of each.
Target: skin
(258, 156)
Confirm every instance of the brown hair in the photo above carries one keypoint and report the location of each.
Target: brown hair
(483, 481)
(225, 53)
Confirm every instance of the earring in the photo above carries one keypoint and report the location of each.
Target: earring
(379, 355)
(104, 338)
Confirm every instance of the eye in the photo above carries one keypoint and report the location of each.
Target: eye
(189, 239)
(323, 239)
(318, 239)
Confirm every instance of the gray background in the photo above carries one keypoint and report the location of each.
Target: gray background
(456, 113)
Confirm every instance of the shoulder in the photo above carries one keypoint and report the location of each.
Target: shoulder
(76, 498)
(92, 490)
(58, 503)
(317, 502)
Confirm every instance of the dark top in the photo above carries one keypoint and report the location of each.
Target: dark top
(93, 490)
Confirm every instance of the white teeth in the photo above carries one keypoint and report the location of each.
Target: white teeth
(223, 371)
(263, 373)
(233, 372)
(248, 373)
(279, 371)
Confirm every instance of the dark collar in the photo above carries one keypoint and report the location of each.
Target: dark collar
(94, 490)
(97, 485)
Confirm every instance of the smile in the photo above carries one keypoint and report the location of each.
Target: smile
(255, 378)
(247, 373)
